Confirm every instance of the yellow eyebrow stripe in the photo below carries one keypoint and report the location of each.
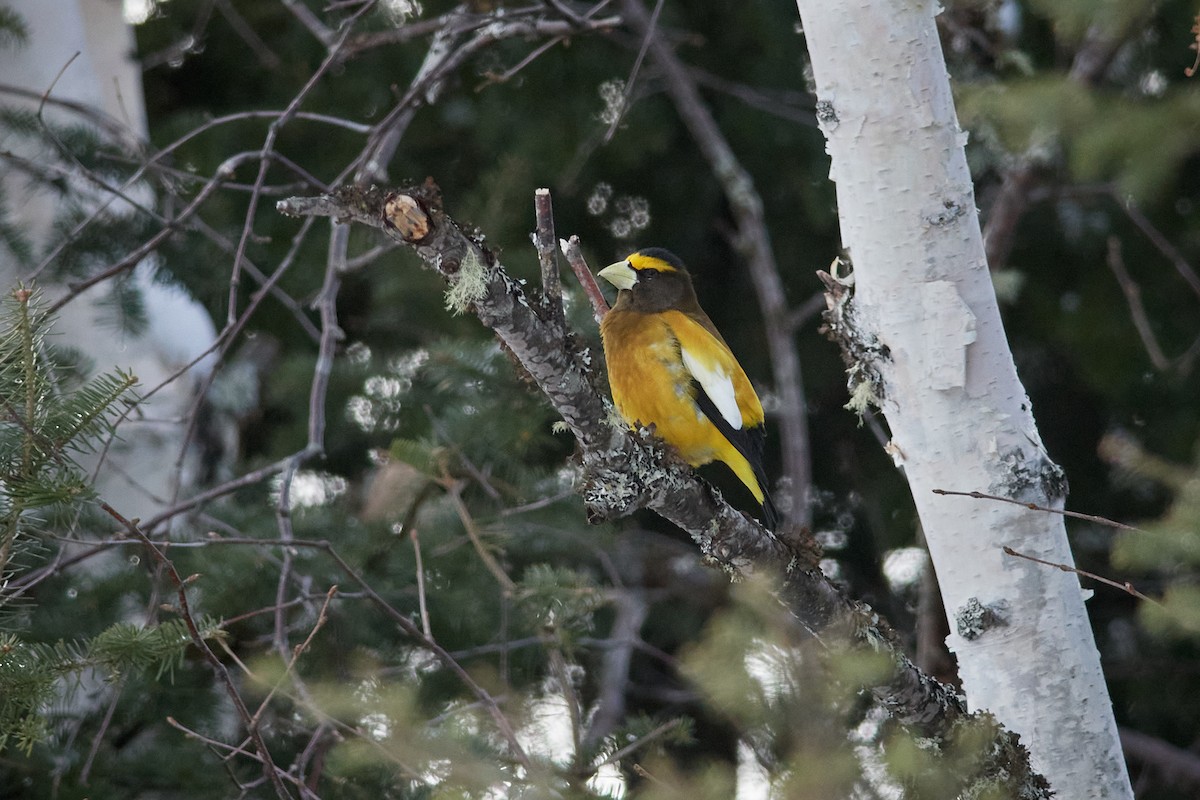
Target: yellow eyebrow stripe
(639, 261)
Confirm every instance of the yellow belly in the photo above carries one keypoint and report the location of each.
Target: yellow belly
(650, 386)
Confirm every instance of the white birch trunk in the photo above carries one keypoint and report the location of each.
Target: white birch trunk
(959, 417)
(83, 49)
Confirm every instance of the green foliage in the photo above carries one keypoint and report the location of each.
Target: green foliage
(559, 601)
(45, 425)
(12, 237)
(13, 30)
(1138, 142)
(32, 674)
(1102, 19)
(1168, 546)
(48, 422)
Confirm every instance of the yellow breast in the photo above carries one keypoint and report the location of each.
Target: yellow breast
(650, 385)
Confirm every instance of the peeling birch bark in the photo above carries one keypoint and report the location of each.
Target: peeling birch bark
(924, 314)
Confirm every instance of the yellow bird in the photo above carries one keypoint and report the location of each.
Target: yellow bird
(669, 367)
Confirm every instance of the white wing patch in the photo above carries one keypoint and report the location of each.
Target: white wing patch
(718, 386)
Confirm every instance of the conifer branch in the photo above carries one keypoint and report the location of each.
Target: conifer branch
(133, 528)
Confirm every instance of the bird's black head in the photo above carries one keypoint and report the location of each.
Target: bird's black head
(651, 280)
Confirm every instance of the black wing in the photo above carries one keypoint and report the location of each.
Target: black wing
(747, 441)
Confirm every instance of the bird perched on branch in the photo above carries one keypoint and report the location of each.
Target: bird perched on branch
(669, 367)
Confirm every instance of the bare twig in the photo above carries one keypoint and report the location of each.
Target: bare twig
(1133, 296)
(640, 742)
(507, 75)
(1035, 507)
(97, 740)
(331, 336)
(453, 489)
(229, 751)
(1161, 242)
(401, 620)
(645, 773)
(789, 104)
(1126, 587)
(135, 256)
(421, 604)
(1176, 766)
(283, 517)
(269, 769)
(544, 240)
(268, 149)
(405, 624)
(647, 36)
(444, 56)
(562, 676)
(266, 57)
(574, 253)
(310, 20)
(230, 486)
(809, 309)
(294, 655)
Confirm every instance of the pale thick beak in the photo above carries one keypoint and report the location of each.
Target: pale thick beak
(620, 275)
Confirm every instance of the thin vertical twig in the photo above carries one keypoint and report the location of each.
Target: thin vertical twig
(331, 335)
(283, 517)
(574, 254)
(86, 771)
(292, 656)
(265, 159)
(648, 35)
(414, 537)
(453, 489)
(1137, 311)
(562, 676)
(543, 241)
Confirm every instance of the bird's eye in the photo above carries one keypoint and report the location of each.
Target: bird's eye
(649, 274)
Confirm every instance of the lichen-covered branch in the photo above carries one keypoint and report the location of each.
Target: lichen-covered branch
(626, 470)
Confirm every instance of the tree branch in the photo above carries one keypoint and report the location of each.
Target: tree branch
(625, 470)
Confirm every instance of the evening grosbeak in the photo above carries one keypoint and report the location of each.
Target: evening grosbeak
(669, 367)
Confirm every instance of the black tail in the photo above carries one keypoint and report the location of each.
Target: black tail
(769, 512)
(747, 441)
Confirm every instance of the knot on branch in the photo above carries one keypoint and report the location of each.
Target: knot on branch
(404, 214)
(410, 211)
(1029, 477)
(975, 619)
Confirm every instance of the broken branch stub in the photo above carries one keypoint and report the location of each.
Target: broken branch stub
(404, 214)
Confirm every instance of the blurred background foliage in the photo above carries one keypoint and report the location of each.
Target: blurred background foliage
(1081, 119)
